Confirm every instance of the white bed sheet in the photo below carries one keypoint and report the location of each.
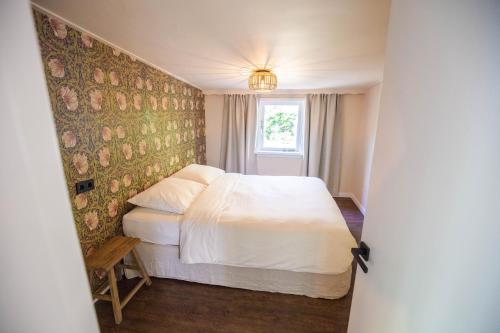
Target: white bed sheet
(283, 223)
(152, 226)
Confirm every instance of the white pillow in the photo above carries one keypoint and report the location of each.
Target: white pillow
(199, 173)
(170, 195)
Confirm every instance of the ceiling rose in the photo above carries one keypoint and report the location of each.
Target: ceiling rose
(262, 80)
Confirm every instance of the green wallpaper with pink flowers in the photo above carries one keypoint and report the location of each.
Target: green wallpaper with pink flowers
(119, 121)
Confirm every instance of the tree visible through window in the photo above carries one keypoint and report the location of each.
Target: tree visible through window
(280, 125)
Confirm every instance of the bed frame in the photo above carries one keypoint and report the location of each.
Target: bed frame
(163, 261)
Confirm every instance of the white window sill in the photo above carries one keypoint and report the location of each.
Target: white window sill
(284, 154)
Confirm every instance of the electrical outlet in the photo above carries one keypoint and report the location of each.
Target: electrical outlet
(84, 186)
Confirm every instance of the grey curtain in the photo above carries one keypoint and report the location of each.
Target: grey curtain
(323, 139)
(238, 134)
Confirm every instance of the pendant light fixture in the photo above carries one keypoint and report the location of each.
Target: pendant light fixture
(262, 80)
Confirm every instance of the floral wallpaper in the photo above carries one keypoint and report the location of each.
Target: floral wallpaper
(119, 121)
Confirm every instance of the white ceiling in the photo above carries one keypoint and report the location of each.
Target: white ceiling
(310, 44)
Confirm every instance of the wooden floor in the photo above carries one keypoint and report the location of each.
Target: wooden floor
(177, 306)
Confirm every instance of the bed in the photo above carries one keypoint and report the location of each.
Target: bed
(271, 233)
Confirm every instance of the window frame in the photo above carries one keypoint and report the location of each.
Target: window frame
(259, 136)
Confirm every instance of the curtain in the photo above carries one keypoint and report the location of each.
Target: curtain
(239, 123)
(323, 139)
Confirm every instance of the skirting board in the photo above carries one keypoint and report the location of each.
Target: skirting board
(353, 197)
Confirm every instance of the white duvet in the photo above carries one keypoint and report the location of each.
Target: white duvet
(287, 223)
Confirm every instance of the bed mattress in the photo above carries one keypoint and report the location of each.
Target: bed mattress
(153, 226)
(283, 223)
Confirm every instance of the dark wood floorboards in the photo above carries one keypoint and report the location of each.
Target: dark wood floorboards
(178, 306)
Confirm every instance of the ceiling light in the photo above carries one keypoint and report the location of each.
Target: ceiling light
(262, 80)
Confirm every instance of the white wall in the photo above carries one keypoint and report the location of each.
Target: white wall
(352, 119)
(360, 125)
(372, 108)
(433, 220)
(213, 127)
(44, 286)
(360, 113)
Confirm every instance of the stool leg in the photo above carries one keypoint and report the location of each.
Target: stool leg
(138, 260)
(115, 298)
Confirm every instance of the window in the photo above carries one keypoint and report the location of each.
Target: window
(280, 126)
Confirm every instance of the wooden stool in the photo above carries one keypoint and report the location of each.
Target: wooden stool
(110, 254)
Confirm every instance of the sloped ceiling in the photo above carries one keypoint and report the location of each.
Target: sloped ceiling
(310, 44)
